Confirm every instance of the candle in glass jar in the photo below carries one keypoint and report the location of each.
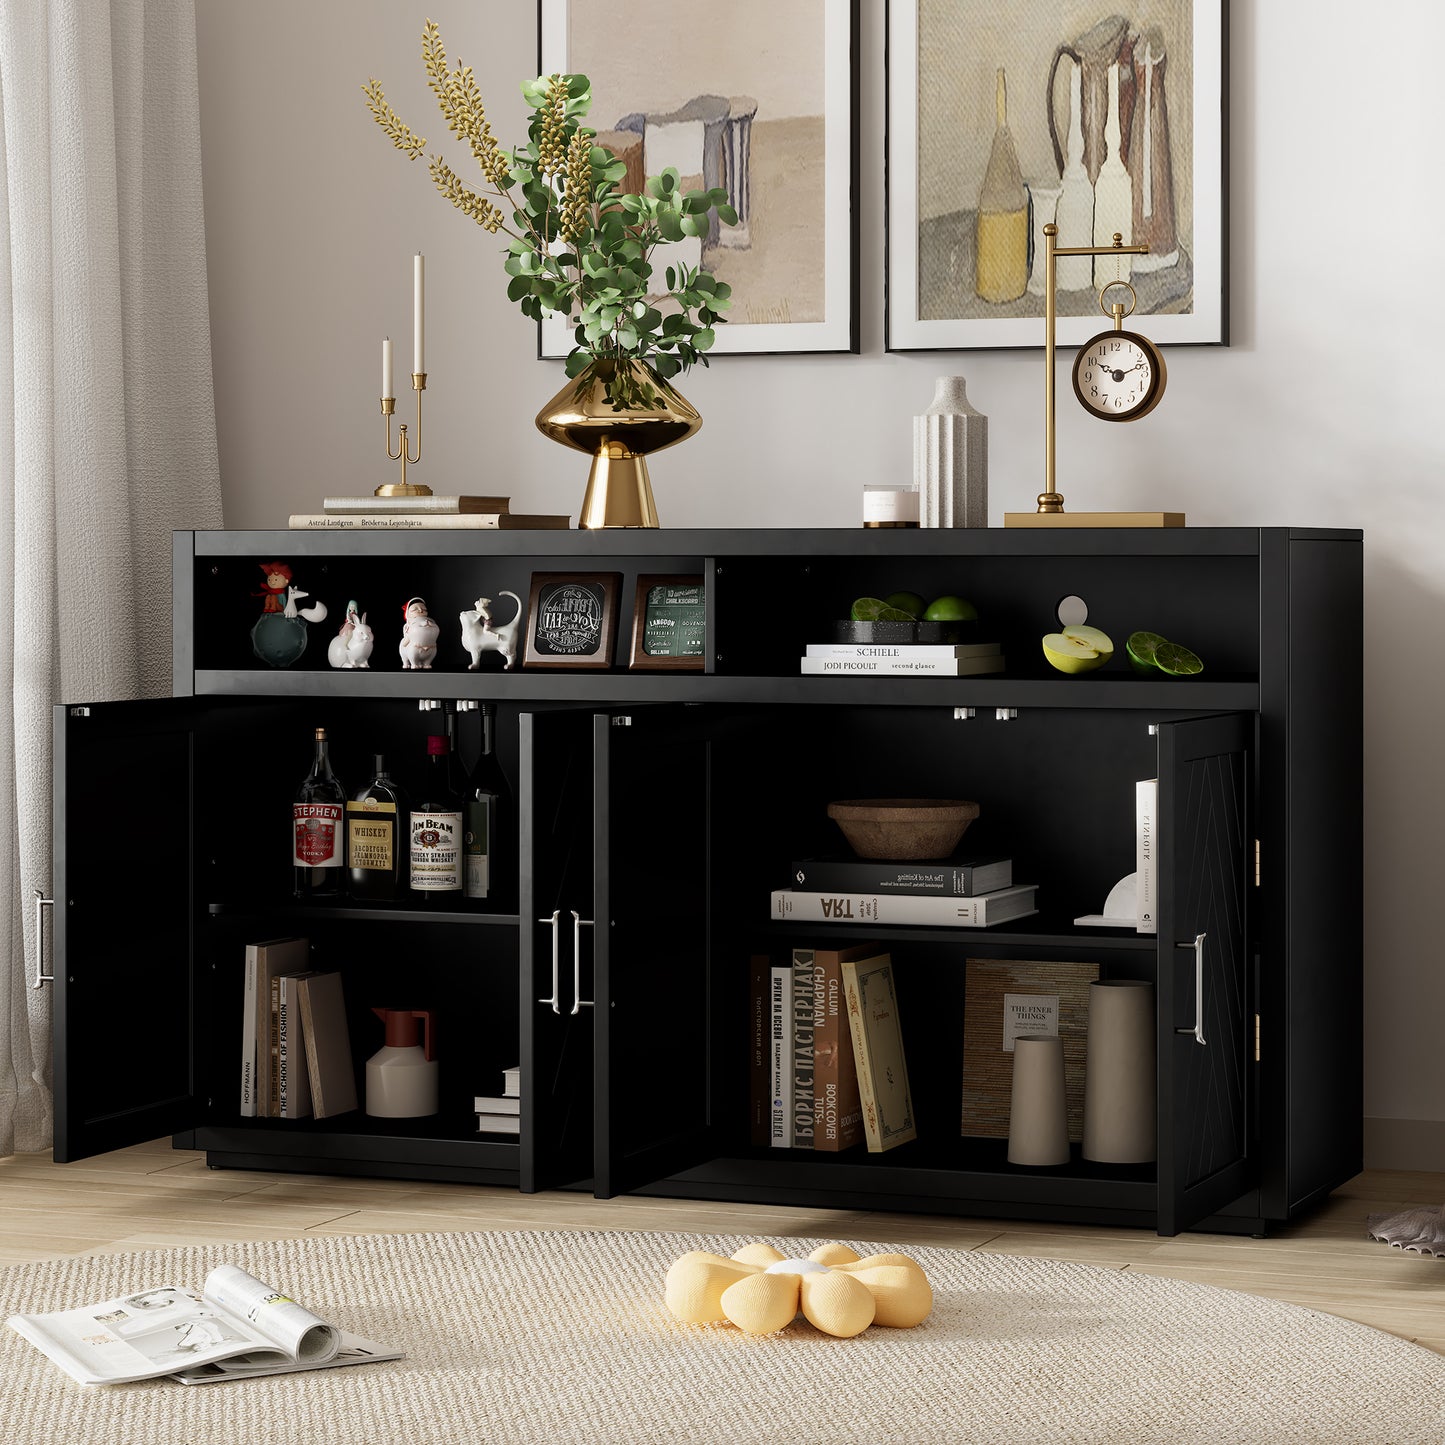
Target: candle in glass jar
(417, 313)
(386, 368)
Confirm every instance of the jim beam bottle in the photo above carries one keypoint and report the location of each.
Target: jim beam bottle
(374, 851)
(437, 829)
(318, 845)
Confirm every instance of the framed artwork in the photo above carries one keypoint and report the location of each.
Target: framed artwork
(669, 624)
(753, 96)
(572, 619)
(1101, 116)
(1006, 997)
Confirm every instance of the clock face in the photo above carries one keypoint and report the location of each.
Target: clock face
(1119, 376)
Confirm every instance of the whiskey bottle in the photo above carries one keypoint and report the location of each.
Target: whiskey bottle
(436, 828)
(488, 850)
(373, 843)
(317, 839)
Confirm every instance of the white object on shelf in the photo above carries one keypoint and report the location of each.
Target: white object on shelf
(890, 506)
(1121, 907)
(950, 458)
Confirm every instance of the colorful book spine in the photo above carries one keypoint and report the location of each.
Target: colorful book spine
(837, 1109)
(878, 1053)
(780, 1071)
(894, 667)
(760, 1109)
(248, 1035)
(790, 904)
(802, 1025)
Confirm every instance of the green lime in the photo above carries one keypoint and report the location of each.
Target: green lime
(1141, 647)
(896, 614)
(868, 609)
(909, 602)
(1175, 661)
(950, 609)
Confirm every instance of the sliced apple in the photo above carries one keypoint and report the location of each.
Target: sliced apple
(1078, 649)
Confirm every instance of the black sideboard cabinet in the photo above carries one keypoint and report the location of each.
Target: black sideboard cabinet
(657, 810)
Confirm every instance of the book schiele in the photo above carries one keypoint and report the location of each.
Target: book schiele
(236, 1328)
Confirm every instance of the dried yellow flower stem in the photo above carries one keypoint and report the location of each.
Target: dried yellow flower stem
(577, 194)
(402, 135)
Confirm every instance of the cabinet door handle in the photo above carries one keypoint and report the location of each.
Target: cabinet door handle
(41, 904)
(555, 1000)
(578, 924)
(1198, 1029)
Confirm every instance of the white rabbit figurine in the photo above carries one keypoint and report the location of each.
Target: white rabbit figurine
(480, 634)
(351, 647)
(418, 635)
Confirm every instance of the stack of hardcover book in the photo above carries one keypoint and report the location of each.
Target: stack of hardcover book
(922, 659)
(959, 892)
(404, 514)
(501, 1113)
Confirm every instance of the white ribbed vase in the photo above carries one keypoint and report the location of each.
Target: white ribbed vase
(950, 459)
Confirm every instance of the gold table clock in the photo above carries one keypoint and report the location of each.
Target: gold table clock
(1118, 375)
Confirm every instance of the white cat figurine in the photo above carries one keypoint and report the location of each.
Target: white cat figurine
(480, 634)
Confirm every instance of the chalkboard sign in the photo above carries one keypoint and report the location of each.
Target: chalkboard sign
(669, 623)
(572, 619)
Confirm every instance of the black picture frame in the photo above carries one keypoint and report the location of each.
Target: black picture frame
(583, 638)
(838, 335)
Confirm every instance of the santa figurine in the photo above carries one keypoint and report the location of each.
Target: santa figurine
(418, 635)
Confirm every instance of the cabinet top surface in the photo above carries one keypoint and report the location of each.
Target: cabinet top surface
(767, 541)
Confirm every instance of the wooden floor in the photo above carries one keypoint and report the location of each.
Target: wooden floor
(152, 1196)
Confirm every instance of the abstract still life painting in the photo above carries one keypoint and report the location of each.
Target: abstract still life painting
(754, 96)
(1101, 116)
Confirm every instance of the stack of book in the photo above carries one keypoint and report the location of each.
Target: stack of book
(826, 1072)
(502, 1113)
(923, 659)
(961, 892)
(404, 514)
(295, 1047)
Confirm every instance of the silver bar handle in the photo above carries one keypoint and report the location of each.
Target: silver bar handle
(1198, 1029)
(556, 999)
(578, 924)
(41, 904)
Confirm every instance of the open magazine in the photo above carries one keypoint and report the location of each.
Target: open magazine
(235, 1328)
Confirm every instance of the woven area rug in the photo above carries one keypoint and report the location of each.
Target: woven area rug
(553, 1336)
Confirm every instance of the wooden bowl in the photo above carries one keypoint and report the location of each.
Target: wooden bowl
(903, 828)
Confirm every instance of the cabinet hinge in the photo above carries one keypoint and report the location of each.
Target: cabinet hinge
(1256, 862)
(1256, 1038)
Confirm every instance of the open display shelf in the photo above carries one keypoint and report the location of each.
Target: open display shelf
(656, 811)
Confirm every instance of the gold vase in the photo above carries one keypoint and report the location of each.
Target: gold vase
(619, 411)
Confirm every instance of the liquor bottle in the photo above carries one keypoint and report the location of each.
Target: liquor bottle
(373, 841)
(489, 845)
(1003, 214)
(317, 839)
(436, 828)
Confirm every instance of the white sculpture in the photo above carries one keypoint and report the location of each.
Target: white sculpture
(311, 614)
(418, 635)
(480, 634)
(351, 647)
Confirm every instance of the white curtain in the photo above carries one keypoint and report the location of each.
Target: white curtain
(107, 424)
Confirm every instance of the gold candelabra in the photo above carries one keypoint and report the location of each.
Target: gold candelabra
(402, 453)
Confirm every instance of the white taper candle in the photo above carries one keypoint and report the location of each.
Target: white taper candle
(386, 368)
(418, 290)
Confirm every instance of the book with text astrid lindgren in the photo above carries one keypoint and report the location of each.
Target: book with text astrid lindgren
(878, 1052)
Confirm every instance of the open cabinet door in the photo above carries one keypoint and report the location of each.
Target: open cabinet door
(556, 885)
(1205, 1039)
(650, 963)
(651, 969)
(123, 875)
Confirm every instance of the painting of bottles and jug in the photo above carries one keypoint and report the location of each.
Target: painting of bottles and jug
(1053, 110)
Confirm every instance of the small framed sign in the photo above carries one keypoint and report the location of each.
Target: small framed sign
(669, 623)
(572, 619)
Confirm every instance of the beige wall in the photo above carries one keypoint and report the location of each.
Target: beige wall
(761, 48)
(1323, 412)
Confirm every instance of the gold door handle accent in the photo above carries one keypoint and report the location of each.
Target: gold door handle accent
(1198, 947)
(555, 1001)
(41, 904)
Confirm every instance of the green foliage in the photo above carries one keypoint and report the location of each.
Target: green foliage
(579, 246)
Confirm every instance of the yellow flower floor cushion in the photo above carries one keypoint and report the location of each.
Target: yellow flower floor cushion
(761, 1291)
